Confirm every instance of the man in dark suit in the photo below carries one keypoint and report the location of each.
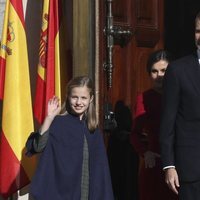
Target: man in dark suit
(180, 124)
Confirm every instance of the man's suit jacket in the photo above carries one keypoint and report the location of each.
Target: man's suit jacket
(180, 118)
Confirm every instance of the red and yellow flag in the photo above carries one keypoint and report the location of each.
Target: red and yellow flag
(17, 119)
(48, 80)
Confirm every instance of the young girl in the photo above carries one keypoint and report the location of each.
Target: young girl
(73, 164)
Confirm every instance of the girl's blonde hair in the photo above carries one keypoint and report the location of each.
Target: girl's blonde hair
(90, 115)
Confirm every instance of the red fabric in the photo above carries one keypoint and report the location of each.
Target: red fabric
(13, 177)
(16, 124)
(45, 86)
(39, 105)
(2, 76)
(18, 6)
(145, 136)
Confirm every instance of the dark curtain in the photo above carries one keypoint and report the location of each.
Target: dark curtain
(179, 26)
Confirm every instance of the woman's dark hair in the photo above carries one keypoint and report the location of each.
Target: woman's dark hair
(197, 18)
(157, 56)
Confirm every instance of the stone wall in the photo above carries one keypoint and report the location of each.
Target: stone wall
(2, 9)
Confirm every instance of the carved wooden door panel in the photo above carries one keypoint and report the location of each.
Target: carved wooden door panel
(129, 77)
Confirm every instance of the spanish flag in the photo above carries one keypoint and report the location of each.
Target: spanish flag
(17, 118)
(48, 79)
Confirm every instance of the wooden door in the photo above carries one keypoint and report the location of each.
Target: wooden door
(129, 77)
(129, 72)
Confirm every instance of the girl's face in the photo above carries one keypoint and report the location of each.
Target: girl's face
(157, 73)
(79, 100)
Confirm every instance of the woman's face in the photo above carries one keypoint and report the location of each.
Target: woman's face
(79, 100)
(157, 73)
(197, 34)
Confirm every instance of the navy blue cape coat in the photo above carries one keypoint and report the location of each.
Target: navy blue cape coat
(58, 175)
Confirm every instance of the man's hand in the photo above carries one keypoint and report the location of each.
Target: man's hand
(171, 178)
